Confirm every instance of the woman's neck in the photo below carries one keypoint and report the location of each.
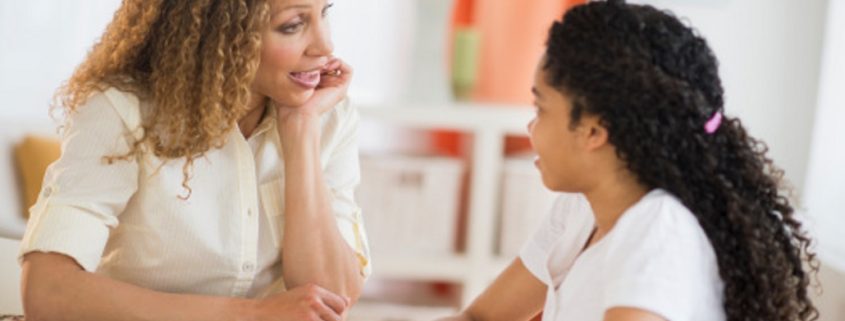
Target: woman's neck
(250, 121)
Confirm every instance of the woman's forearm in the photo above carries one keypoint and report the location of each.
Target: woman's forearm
(55, 288)
(314, 250)
(461, 317)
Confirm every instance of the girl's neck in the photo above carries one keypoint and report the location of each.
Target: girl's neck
(611, 197)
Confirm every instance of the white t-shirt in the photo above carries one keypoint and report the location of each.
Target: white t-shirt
(656, 258)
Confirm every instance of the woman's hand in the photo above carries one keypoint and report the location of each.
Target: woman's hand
(306, 303)
(297, 124)
(334, 82)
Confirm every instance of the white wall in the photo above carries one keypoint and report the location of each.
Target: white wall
(769, 52)
(830, 301)
(825, 190)
(397, 47)
(43, 40)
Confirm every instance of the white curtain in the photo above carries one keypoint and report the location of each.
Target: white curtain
(825, 188)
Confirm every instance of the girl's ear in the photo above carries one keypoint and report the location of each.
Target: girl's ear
(593, 133)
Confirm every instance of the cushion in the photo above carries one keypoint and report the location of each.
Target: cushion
(32, 156)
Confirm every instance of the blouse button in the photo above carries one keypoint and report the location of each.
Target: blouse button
(47, 192)
(248, 267)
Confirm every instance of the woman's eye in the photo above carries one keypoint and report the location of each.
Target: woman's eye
(291, 28)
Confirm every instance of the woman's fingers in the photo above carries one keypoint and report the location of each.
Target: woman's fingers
(332, 66)
(327, 305)
(345, 69)
(336, 73)
(328, 315)
(337, 303)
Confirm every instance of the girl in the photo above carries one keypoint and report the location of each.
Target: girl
(675, 213)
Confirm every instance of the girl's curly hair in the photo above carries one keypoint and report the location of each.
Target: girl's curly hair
(193, 60)
(654, 83)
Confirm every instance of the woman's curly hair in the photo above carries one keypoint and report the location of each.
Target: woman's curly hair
(193, 60)
(654, 83)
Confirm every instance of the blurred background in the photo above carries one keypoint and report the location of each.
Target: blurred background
(449, 190)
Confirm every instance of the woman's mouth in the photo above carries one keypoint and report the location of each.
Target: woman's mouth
(306, 79)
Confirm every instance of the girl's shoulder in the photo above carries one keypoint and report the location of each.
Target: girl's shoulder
(660, 209)
(658, 258)
(660, 224)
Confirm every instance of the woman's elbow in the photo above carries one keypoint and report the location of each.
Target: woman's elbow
(44, 278)
(354, 287)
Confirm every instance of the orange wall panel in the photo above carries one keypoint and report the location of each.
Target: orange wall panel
(513, 35)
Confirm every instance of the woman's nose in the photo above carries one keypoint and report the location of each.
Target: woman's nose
(322, 40)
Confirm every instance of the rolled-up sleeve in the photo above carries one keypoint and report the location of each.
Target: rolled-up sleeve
(343, 174)
(82, 195)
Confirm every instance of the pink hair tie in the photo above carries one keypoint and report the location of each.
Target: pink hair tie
(713, 123)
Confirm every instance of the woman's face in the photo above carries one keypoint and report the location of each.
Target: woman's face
(295, 47)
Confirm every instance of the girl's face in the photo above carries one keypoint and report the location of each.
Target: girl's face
(295, 48)
(562, 150)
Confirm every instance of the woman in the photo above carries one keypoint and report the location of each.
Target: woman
(674, 212)
(207, 172)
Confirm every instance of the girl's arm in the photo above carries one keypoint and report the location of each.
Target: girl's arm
(630, 314)
(515, 295)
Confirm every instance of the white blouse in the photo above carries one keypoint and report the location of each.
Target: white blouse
(126, 220)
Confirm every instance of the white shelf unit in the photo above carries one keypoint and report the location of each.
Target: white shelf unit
(488, 125)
